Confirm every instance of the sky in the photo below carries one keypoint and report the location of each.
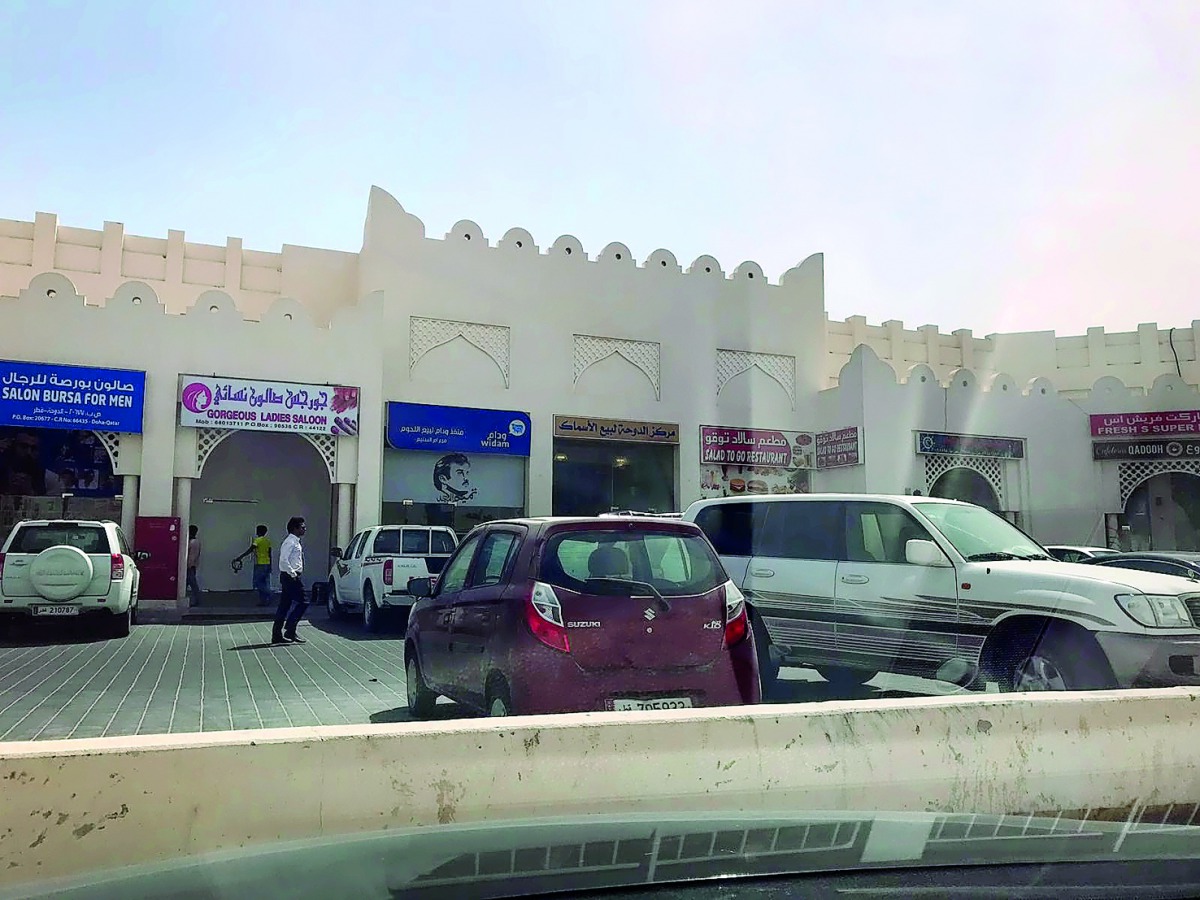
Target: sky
(998, 166)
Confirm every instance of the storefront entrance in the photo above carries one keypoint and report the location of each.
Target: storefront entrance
(607, 465)
(48, 473)
(1163, 513)
(258, 478)
(454, 466)
(265, 451)
(966, 485)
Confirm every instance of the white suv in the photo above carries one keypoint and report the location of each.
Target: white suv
(70, 568)
(855, 584)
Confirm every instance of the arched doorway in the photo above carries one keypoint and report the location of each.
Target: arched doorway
(1163, 513)
(967, 485)
(252, 478)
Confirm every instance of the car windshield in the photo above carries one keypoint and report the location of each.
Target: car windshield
(624, 562)
(979, 534)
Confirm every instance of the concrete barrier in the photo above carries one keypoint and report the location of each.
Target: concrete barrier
(68, 807)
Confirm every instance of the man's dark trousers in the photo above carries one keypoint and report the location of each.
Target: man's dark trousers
(292, 604)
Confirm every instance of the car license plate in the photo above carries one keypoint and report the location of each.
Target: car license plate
(656, 703)
(56, 610)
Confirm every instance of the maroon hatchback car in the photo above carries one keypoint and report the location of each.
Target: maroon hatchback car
(570, 615)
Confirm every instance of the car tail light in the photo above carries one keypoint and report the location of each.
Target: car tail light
(543, 615)
(387, 572)
(736, 624)
(117, 571)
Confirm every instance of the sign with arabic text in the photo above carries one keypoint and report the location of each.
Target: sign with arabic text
(75, 398)
(756, 447)
(1187, 448)
(420, 426)
(1115, 425)
(842, 447)
(937, 442)
(588, 429)
(267, 405)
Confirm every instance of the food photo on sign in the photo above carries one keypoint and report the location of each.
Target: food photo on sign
(737, 461)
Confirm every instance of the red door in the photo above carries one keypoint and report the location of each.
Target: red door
(158, 536)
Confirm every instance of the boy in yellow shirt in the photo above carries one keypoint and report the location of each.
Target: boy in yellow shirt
(260, 549)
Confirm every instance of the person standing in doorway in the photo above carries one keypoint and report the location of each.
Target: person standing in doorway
(193, 563)
(292, 603)
(260, 549)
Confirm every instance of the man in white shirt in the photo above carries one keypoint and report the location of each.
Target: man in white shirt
(293, 601)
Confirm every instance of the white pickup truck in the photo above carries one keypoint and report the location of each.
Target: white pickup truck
(371, 574)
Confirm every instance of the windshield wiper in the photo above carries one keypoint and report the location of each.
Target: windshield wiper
(1037, 556)
(662, 602)
(994, 556)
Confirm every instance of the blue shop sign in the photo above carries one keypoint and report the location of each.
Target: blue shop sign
(935, 442)
(419, 426)
(37, 395)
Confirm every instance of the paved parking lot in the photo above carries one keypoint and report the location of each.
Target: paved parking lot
(56, 682)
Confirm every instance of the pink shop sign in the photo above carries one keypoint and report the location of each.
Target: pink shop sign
(1186, 421)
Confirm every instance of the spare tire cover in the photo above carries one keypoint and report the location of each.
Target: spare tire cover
(61, 573)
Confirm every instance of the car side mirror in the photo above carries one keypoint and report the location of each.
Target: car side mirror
(141, 556)
(925, 553)
(420, 587)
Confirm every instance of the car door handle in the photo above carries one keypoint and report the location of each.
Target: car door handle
(762, 573)
(855, 579)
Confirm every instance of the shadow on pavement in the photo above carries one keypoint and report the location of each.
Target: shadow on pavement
(28, 633)
(266, 645)
(442, 712)
(350, 627)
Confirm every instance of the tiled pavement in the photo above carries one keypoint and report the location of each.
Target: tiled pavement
(58, 682)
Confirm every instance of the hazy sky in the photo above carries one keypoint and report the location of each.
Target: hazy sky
(995, 166)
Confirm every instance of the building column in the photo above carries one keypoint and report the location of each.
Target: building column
(129, 506)
(345, 508)
(183, 509)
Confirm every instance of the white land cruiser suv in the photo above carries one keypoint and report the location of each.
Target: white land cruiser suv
(855, 584)
(70, 568)
(373, 572)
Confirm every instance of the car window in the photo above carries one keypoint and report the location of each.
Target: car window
(416, 541)
(596, 561)
(442, 542)
(494, 553)
(734, 528)
(123, 543)
(361, 546)
(977, 532)
(387, 540)
(1068, 555)
(91, 539)
(350, 548)
(803, 530)
(880, 532)
(454, 576)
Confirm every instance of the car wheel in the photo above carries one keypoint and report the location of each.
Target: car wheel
(371, 613)
(769, 659)
(1059, 663)
(119, 625)
(499, 702)
(843, 677)
(331, 602)
(421, 700)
